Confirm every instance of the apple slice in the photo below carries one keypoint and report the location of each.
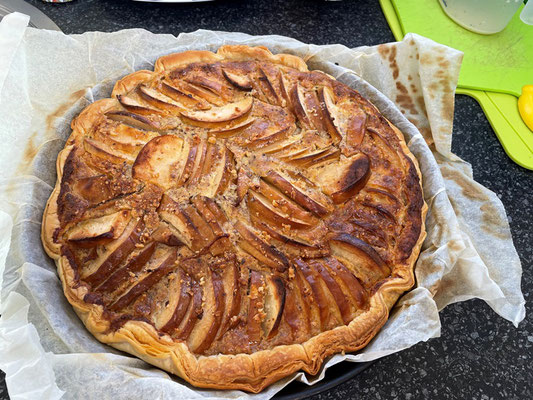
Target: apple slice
(355, 131)
(205, 207)
(114, 254)
(346, 279)
(187, 100)
(199, 92)
(244, 182)
(314, 111)
(317, 203)
(233, 290)
(332, 154)
(259, 249)
(134, 265)
(240, 81)
(123, 133)
(184, 300)
(297, 97)
(164, 234)
(269, 138)
(259, 205)
(95, 189)
(136, 121)
(307, 157)
(308, 304)
(363, 260)
(295, 313)
(191, 147)
(277, 147)
(292, 245)
(228, 112)
(155, 161)
(284, 203)
(342, 180)
(226, 177)
(99, 150)
(207, 83)
(335, 290)
(193, 314)
(166, 266)
(318, 292)
(134, 106)
(98, 230)
(159, 100)
(256, 313)
(329, 112)
(227, 132)
(215, 307)
(267, 87)
(274, 304)
(197, 168)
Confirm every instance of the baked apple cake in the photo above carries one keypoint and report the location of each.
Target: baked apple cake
(233, 217)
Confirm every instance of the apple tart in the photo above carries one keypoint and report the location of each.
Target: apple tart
(233, 217)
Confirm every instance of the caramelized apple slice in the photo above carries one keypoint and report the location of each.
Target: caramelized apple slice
(267, 87)
(256, 313)
(308, 304)
(159, 100)
(136, 107)
(363, 260)
(342, 180)
(273, 305)
(165, 267)
(297, 97)
(114, 254)
(346, 279)
(183, 302)
(290, 243)
(232, 130)
(284, 203)
(329, 112)
(164, 234)
(233, 290)
(240, 81)
(186, 99)
(157, 160)
(99, 230)
(244, 182)
(98, 150)
(293, 313)
(134, 265)
(136, 121)
(318, 292)
(193, 314)
(259, 249)
(266, 140)
(318, 205)
(228, 112)
(258, 205)
(335, 290)
(191, 147)
(199, 92)
(215, 307)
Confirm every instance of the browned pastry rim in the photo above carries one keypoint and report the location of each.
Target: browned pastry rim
(250, 372)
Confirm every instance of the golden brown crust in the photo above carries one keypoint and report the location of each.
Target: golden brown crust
(140, 202)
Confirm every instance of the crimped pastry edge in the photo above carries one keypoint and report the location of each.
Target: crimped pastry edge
(250, 372)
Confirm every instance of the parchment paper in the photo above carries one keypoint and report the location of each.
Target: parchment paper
(49, 77)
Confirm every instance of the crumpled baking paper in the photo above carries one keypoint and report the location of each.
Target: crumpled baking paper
(46, 78)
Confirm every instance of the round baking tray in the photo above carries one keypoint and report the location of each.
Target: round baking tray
(335, 375)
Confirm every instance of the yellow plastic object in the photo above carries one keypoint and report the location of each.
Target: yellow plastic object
(525, 105)
(500, 108)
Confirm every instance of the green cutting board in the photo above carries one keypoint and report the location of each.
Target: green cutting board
(494, 69)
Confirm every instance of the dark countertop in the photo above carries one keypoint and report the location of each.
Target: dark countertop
(479, 355)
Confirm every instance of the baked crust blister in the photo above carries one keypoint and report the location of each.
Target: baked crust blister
(233, 218)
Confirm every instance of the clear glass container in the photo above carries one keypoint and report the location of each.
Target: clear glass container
(481, 16)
